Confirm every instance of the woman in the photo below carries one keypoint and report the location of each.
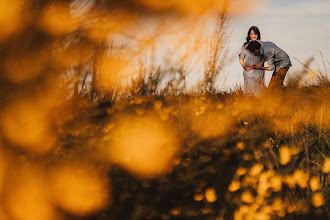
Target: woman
(253, 78)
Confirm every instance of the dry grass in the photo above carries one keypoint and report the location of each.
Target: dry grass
(88, 130)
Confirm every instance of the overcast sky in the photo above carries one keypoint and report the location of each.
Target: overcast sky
(299, 27)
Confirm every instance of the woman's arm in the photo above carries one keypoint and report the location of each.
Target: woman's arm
(247, 68)
(241, 61)
(244, 52)
(259, 65)
(262, 68)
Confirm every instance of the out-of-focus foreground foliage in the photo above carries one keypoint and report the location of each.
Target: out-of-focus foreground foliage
(89, 132)
(204, 156)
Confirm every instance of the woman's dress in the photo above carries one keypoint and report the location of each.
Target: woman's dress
(254, 79)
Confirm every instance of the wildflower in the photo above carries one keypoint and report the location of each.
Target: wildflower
(175, 211)
(240, 145)
(277, 204)
(247, 197)
(294, 150)
(326, 166)
(256, 169)
(210, 195)
(198, 197)
(241, 171)
(318, 200)
(285, 155)
(301, 178)
(234, 186)
(205, 210)
(290, 181)
(276, 183)
(314, 183)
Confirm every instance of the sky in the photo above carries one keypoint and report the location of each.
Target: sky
(299, 27)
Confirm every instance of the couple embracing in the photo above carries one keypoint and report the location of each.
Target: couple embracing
(253, 54)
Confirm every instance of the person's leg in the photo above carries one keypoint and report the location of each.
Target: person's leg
(278, 78)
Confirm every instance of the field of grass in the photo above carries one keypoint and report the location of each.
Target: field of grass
(94, 128)
(201, 155)
(232, 156)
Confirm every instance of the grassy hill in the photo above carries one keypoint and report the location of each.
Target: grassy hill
(232, 156)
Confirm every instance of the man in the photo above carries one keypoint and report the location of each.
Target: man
(278, 61)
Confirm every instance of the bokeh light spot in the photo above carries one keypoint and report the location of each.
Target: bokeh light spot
(143, 145)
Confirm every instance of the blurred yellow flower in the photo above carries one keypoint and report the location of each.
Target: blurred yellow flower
(57, 19)
(247, 156)
(294, 150)
(27, 124)
(263, 187)
(240, 145)
(247, 197)
(198, 197)
(241, 212)
(290, 181)
(326, 166)
(79, 189)
(27, 195)
(285, 155)
(175, 211)
(314, 183)
(210, 195)
(277, 204)
(10, 17)
(143, 145)
(301, 177)
(262, 216)
(256, 169)
(241, 171)
(276, 183)
(234, 186)
(206, 210)
(266, 209)
(318, 200)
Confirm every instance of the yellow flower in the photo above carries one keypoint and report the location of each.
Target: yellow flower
(198, 197)
(318, 200)
(301, 178)
(294, 150)
(175, 211)
(240, 145)
(285, 155)
(256, 169)
(326, 165)
(277, 204)
(314, 183)
(241, 171)
(234, 186)
(290, 181)
(276, 183)
(211, 195)
(247, 197)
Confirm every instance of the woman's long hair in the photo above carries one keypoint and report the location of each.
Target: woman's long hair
(256, 31)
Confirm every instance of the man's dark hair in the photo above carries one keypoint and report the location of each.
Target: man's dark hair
(253, 45)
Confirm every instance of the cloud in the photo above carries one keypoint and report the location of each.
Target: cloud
(311, 9)
(156, 7)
